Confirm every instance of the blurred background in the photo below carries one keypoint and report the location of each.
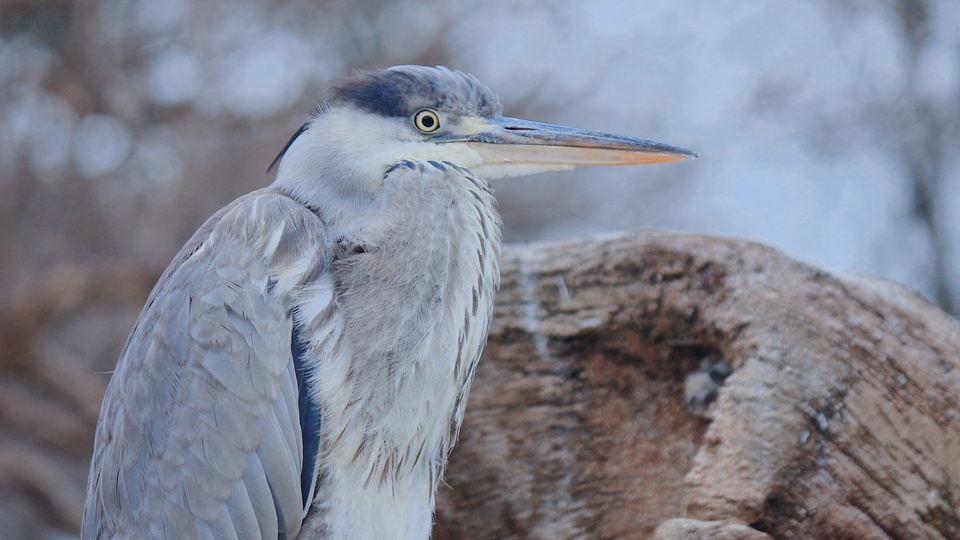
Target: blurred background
(829, 128)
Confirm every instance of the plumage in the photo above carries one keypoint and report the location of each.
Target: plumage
(302, 366)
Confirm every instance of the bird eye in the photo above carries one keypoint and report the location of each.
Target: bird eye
(427, 121)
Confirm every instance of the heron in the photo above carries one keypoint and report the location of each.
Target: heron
(302, 366)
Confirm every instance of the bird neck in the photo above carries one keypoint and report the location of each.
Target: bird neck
(395, 360)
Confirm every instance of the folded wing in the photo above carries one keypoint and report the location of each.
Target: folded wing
(201, 429)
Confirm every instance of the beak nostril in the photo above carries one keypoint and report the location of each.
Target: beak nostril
(519, 128)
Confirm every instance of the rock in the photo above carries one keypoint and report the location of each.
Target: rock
(840, 419)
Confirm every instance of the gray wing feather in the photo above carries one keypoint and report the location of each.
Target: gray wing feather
(283, 487)
(240, 512)
(199, 432)
(224, 528)
(255, 479)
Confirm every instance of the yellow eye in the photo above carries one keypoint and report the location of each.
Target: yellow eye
(427, 121)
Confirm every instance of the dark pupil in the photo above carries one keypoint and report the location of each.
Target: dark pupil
(427, 121)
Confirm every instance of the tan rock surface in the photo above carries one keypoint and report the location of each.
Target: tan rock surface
(841, 419)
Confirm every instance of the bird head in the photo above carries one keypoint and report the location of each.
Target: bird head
(372, 120)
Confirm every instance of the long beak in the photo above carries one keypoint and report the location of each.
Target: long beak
(505, 140)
